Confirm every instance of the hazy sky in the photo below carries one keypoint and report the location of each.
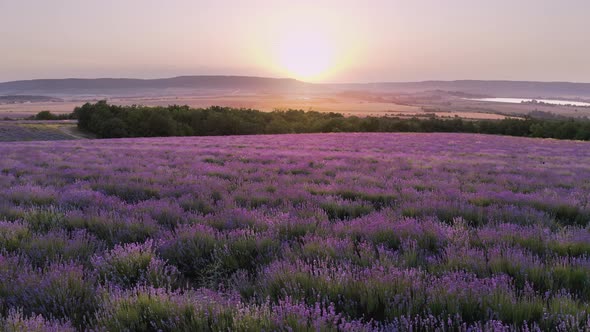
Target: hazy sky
(336, 41)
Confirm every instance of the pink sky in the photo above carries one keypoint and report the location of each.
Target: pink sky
(328, 41)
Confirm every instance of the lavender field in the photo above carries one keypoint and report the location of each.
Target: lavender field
(13, 131)
(352, 232)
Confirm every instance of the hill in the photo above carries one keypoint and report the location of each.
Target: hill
(122, 86)
(20, 99)
(245, 84)
(478, 87)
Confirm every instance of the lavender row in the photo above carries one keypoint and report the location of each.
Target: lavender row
(316, 232)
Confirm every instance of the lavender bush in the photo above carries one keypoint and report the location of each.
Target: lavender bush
(360, 232)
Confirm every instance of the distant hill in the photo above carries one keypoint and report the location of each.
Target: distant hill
(489, 88)
(245, 84)
(19, 99)
(121, 86)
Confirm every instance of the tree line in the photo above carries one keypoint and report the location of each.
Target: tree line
(47, 115)
(112, 121)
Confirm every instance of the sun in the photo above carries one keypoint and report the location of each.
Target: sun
(305, 54)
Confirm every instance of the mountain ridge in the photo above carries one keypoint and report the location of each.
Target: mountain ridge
(501, 88)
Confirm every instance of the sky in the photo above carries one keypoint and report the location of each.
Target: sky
(318, 41)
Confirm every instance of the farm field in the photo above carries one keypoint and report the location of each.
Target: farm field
(13, 131)
(355, 232)
(361, 105)
(444, 99)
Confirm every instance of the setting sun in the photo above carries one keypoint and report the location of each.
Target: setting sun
(306, 55)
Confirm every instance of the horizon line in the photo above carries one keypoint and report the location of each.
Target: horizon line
(295, 79)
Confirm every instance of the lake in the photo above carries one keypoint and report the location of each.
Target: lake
(528, 100)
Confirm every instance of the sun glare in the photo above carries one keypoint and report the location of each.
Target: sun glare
(306, 55)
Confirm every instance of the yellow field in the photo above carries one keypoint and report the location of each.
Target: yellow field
(323, 103)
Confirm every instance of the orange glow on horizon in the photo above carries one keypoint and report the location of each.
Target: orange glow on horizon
(316, 49)
(306, 54)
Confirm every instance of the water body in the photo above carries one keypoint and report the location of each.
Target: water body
(529, 100)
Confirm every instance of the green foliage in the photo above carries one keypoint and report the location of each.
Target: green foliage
(12, 234)
(44, 220)
(337, 211)
(47, 115)
(128, 193)
(111, 121)
(134, 263)
(17, 321)
(191, 252)
(54, 246)
(156, 310)
(113, 229)
(58, 291)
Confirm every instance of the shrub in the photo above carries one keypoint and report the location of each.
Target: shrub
(133, 264)
(16, 321)
(60, 290)
(190, 249)
(60, 245)
(341, 211)
(44, 220)
(12, 234)
(111, 227)
(153, 309)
